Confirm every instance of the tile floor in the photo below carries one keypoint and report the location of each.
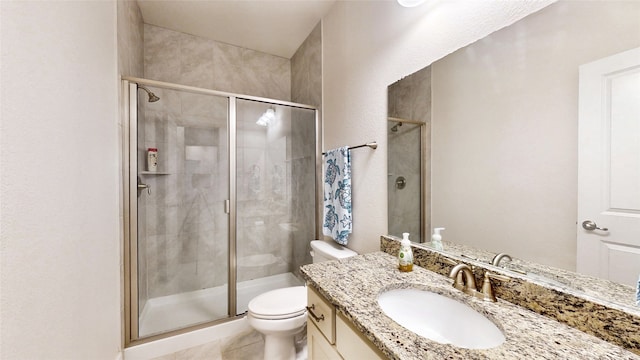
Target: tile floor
(244, 346)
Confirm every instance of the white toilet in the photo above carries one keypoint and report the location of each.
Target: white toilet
(280, 314)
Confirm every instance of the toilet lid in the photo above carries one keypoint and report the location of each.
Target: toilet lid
(332, 250)
(280, 304)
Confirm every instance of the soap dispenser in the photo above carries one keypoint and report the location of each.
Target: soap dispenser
(405, 255)
(436, 239)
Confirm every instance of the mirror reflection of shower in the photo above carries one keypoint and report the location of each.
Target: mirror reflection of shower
(405, 177)
(408, 155)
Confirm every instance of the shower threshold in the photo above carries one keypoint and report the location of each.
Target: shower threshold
(171, 312)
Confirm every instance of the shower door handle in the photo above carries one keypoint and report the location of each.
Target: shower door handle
(144, 186)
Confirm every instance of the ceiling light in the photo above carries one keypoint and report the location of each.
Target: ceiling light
(410, 3)
(262, 121)
(267, 118)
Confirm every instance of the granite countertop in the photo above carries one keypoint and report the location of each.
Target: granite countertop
(353, 286)
(595, 289)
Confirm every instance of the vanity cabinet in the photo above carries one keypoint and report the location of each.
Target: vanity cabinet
(318, 347)
(331, 336)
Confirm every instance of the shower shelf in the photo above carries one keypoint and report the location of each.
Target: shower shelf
(154, 173)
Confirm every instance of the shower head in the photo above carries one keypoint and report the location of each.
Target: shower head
(395, 127)
(152, 96)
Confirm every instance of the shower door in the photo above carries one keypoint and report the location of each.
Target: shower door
(182, 221)
(227, 213)
(275, 179)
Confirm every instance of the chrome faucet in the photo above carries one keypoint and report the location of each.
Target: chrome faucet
(496, 259)
(465, 281)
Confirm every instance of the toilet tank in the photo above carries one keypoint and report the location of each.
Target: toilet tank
(324, 251)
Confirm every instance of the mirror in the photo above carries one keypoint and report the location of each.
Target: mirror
(504, 131)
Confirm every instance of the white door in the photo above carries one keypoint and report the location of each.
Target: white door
(609, 168)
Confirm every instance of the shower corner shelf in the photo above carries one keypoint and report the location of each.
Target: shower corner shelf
(154, 173)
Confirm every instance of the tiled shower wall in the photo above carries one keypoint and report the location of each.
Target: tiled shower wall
(130, 39)
(186, 225)
(306, 88)
(185, 59)
(306, 70)
(409, 98)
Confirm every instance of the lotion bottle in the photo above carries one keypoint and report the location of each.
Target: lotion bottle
(405, 255)
(436, 239)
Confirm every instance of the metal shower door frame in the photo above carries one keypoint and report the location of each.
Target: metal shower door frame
(130, 201)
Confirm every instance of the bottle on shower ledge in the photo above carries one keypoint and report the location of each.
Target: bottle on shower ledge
(152, 159)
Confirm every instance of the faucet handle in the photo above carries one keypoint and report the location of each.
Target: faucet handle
(496, 276)
(449, 261)
(487, 289)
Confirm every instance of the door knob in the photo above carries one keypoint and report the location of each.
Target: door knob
(590, 226)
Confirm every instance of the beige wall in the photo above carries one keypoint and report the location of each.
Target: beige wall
(505, 127)
(366, 47)
(60, 249)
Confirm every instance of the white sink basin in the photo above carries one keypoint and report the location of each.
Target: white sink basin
(440, 318)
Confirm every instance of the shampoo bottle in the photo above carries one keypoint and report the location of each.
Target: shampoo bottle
(436, 239)
(152, 159)
(405, 256)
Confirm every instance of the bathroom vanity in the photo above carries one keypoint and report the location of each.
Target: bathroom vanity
(345, 293)
(332, 336)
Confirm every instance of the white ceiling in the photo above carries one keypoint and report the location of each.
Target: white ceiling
(273, 27)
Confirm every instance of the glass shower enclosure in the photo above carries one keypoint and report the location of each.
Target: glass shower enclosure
(226, 214)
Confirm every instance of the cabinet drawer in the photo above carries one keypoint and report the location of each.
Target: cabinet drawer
(317, 345)
(322, 314)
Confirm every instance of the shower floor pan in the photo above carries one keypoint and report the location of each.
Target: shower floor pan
(177, 311)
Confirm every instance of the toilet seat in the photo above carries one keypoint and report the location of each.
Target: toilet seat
(279, 304)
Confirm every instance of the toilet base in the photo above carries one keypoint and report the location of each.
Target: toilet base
(279, 347)
(279, 335)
